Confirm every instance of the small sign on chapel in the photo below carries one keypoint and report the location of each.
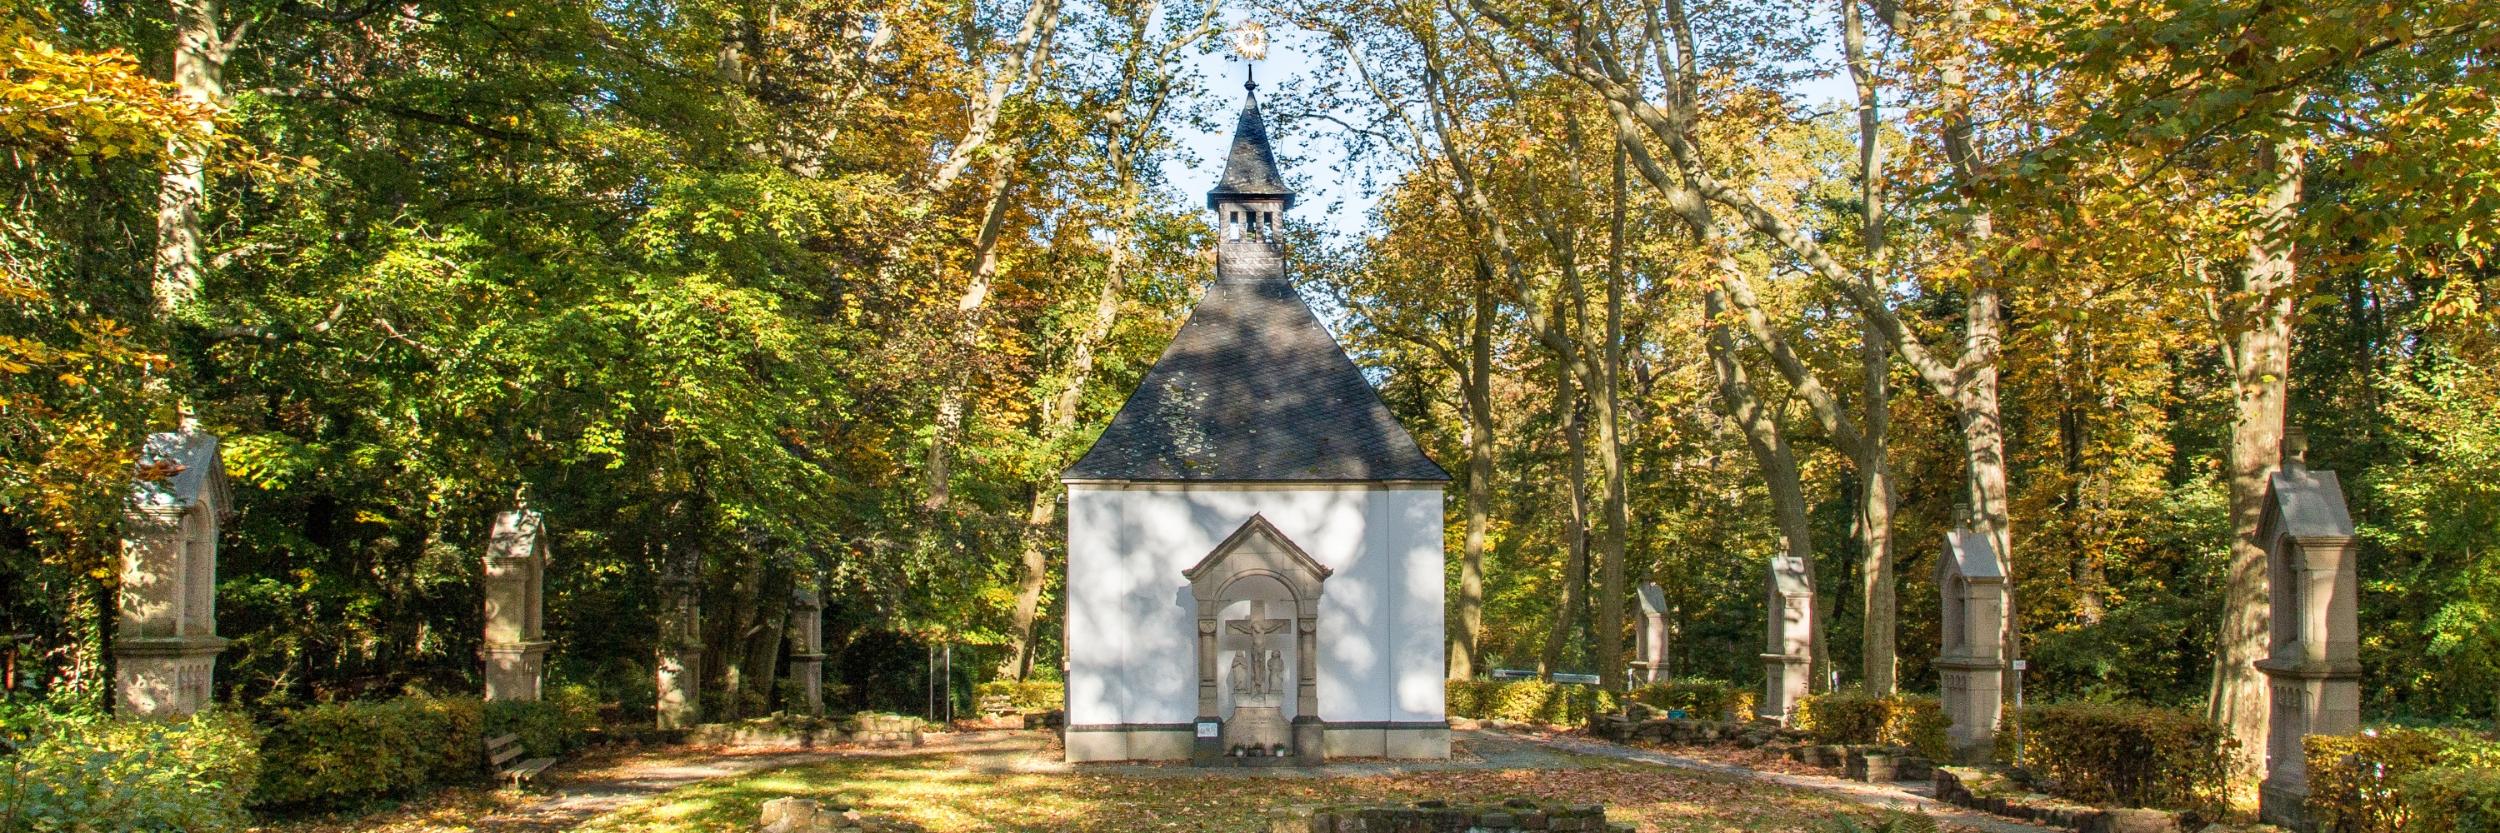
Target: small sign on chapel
(1254, 543)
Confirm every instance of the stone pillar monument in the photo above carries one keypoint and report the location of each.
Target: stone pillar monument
(678, 673)
(1651, 663)
(1789, 659)
(165, 645)
(2313, 666)
(515, 652)
(1972, 582)
(807, 650)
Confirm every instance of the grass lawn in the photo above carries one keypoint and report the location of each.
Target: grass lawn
(948, 793)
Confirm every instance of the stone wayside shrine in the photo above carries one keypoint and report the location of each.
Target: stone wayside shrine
(1254, 543)
(1788, 656)
(1972, 582)
(515, 651)
(1650, 663)
(165, 648)
(2313, 667)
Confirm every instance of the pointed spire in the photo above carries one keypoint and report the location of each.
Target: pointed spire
(1250, 169)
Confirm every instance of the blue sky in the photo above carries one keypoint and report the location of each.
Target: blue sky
(1328, 199)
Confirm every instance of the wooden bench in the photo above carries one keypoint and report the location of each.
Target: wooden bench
(499, 754)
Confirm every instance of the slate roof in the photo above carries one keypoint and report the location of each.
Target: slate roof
(1250, 170)
(1253, 388)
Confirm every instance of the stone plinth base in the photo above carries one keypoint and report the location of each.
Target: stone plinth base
(1974, 700)
(514, 670)
(1257, 728)
(1784, 683)
(164, 676)
(677, 681)
(809, 671)
(1179, 741)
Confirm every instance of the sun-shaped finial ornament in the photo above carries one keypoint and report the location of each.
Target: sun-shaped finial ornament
(1249, 40)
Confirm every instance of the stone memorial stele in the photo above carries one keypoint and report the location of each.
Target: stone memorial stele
(515, 651)
(165, 644)
(1651, 665)
(1972, 582)
(1788, 658)
(807, 650)
(677, 674)
(2312, 665)
(1254, 543)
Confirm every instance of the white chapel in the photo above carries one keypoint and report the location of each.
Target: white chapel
(1254, 544)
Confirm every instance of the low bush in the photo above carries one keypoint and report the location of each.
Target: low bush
(550, 727)
(2453, 799)
(2382, 780)
(1525, 701)
(90, 772)
(1855, 717)
(1700, 699)
(1029, 696)
(2128, 755)
(340, 754)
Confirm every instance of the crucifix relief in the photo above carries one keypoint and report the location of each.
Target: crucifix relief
(1257, 671)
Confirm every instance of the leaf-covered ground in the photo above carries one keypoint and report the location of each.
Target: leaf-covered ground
(949, 792)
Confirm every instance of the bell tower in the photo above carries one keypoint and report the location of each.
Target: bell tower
(1250, 202)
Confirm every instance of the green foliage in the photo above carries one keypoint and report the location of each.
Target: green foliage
(553, 726)
(1028, 696)
(2454, 799)
(1526, 701)
(2364, 783)
(2129, 755)
(76, 773)
(1907, 721)
(1702, 699)
(340, 754)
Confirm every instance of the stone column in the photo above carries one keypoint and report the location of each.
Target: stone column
(807, 649)
(679, 671)
(1651, 665)
(1207, 744)
(2313, 665)
(165, 645)
(1972, 582)
(1789, 658)
(515, 650)
(1310, 734)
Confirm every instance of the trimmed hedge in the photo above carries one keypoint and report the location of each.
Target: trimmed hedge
(550, 727)
(1855, 717)
(2132, 756)
(1029, 696)
(2454, 799)
(1525, 701)
(89, 772)
(1701, 699)
(2386, 780)
(340, 754)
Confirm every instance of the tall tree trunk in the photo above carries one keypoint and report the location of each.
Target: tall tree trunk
(1616, 520)
(762, 645)
(199, 75)
(1879, 640)
(1879, 635)
(1575, 578)
(1772, 455)
(2260, 357)
(968, 317)
(1464, 642)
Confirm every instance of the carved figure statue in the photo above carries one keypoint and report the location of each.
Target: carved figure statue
(1242, 679)
(1275, 676)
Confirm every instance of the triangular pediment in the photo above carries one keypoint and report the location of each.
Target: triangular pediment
(1258, 547)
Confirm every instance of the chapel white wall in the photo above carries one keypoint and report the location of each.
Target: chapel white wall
(1131, 620)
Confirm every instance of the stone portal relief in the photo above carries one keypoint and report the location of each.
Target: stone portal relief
(1256, 727)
